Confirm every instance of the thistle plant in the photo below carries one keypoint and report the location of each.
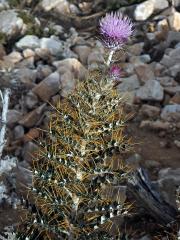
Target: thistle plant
(80, 162)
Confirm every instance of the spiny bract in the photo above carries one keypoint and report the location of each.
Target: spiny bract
(80, 166)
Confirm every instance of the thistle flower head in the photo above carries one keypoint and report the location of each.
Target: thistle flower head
(115, 30)
(115, 72)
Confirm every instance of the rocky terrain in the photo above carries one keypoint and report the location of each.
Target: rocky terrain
(46, 46)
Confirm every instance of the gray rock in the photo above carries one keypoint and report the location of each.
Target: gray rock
(146, 237)
(129, 84)
(4, 5)
(53, 44)
(144, 10)
(29, 41)
(68, 83)
(136, 49)
(172, 58)
(174, 70)
(72, 65)
(83, 53)
(160, 4)
(25, 75)
(13, 117)
(144, 72)
(95, 60)
(171, 112)
(48, 87)
(172, 90)
(173, 36)
(10, 23)
(177, 143)
(168, 180)
(152, 90)
(176, 3)
(145, 58)
(29, 149)
(30, 100)
(166, 81)
(18, 132)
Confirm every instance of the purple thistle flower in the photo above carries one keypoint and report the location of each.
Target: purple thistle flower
(115, 72)
(115, 29)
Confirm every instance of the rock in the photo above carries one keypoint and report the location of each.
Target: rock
(144, 10)
(135, 60)
(175, 99)
(13, 117)
(31, 135)
(155, 125)
(144, 72)
(48, 87)
(56, 99)
(2, 51)
(151, 36)
(29, 41)
(163, 26)
(31, 119)
(171, 113)
(177, 143)
(173, 37)
(172, 90)
(18, 132)
(176, 3)
(83, 53)
(128, 68)
(168, 180)
(145, 58)
(128, 84)
(13, 57)
(43, 53)
(28, 53)
(150, 111)
(95, 61)
(152, 90)
(29, 152)
(53, 44)
(174, 21)
(4, 5)
(166, 81)
(160, 4)
(158, 69)
(60, 6)
(146, 237)
(30, 100)
(25, 75)
(10, 24)
(136, 49)
(68, 83)
(26, 63)
(172, 58)
(174, 70)
(43, 71)
(72, 65)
